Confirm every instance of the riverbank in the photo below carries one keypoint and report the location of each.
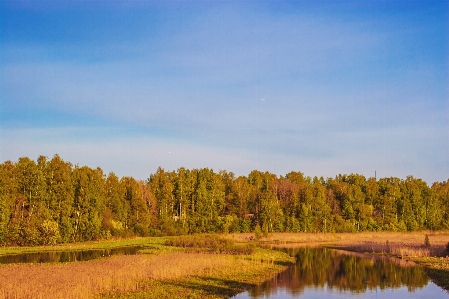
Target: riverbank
(160, 271)
(164, 271)
(90, 245)
(426, 248)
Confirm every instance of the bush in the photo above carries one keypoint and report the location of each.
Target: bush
(447, 247)
(245, 226)
(258, 232)
(29, 236)
(49, 230)
(426, 241)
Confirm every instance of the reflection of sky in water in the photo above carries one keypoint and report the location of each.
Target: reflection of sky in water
(429, 291)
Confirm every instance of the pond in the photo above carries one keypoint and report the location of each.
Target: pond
(67, 256)
(328, 273)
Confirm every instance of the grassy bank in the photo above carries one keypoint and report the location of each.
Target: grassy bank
(104, 244)
(222, 277)
(200, 266)
(162, 271)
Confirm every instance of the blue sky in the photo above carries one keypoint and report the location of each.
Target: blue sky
(318, 87)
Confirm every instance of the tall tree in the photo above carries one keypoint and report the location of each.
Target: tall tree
(8, 195)
(388, 202)
(163, 189)
(116, 207)
(138, 219)
(30, 200)
(89, 203)
(60, 195)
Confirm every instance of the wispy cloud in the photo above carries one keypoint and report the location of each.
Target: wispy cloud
(344, 91)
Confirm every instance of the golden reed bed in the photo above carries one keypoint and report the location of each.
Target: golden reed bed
(397, 243)
(126, 273)
(118, 273)
(436, 238)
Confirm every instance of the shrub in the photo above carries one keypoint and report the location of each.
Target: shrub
(258, 232)
(426, 241)
(29, 236)
(49, 230)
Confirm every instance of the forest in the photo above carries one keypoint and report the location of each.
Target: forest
(45, 202)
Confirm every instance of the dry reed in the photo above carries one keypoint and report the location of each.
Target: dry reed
(120, 273)
(123, 274)
(396, 243)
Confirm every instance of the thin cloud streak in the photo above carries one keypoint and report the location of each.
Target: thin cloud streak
(320, 88)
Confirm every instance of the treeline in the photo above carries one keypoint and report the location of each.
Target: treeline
(52, 201)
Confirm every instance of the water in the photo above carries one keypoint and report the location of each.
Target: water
(326, 273)
(67, 256)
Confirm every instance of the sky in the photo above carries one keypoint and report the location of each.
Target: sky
(320, 87)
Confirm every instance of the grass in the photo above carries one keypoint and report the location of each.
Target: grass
(200, 266)
(210, 243)
(104, 244)
(168, 271)
(437, 268)
(437, 238)
(221, 280)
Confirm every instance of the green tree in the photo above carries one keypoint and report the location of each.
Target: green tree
(138, 219)
(239, 198)
(60, 195)
(163, 189)
(320, 208)
(441, 198)
(89, 203)
(116, 207)
(389, 202)
(30, 208)
(184, 185)
(8, 195)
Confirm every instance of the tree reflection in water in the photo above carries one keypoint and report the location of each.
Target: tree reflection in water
(67, 256)
(320, 267)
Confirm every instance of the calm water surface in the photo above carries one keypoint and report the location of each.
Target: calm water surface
(67, 256)
(326, 273)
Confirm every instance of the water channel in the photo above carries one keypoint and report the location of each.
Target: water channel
(67, 256)
(317, 273)
(327, 273)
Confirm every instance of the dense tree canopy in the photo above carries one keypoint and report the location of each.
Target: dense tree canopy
(52, 201)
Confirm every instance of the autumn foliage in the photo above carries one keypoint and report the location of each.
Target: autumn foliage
(45, 202)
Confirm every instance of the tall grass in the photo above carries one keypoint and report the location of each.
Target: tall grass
(210, 243)
(122, 274)
(397, 243)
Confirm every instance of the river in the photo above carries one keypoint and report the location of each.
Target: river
(67, 256)
(328, 273)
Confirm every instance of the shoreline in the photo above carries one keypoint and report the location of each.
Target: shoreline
(158, 272)
(167, 271)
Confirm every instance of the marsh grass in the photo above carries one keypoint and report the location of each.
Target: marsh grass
(121, 275)
(187, 269)
(211, 244)
(435, 238)
(91, 245)
(217, 281)
(394, 243)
